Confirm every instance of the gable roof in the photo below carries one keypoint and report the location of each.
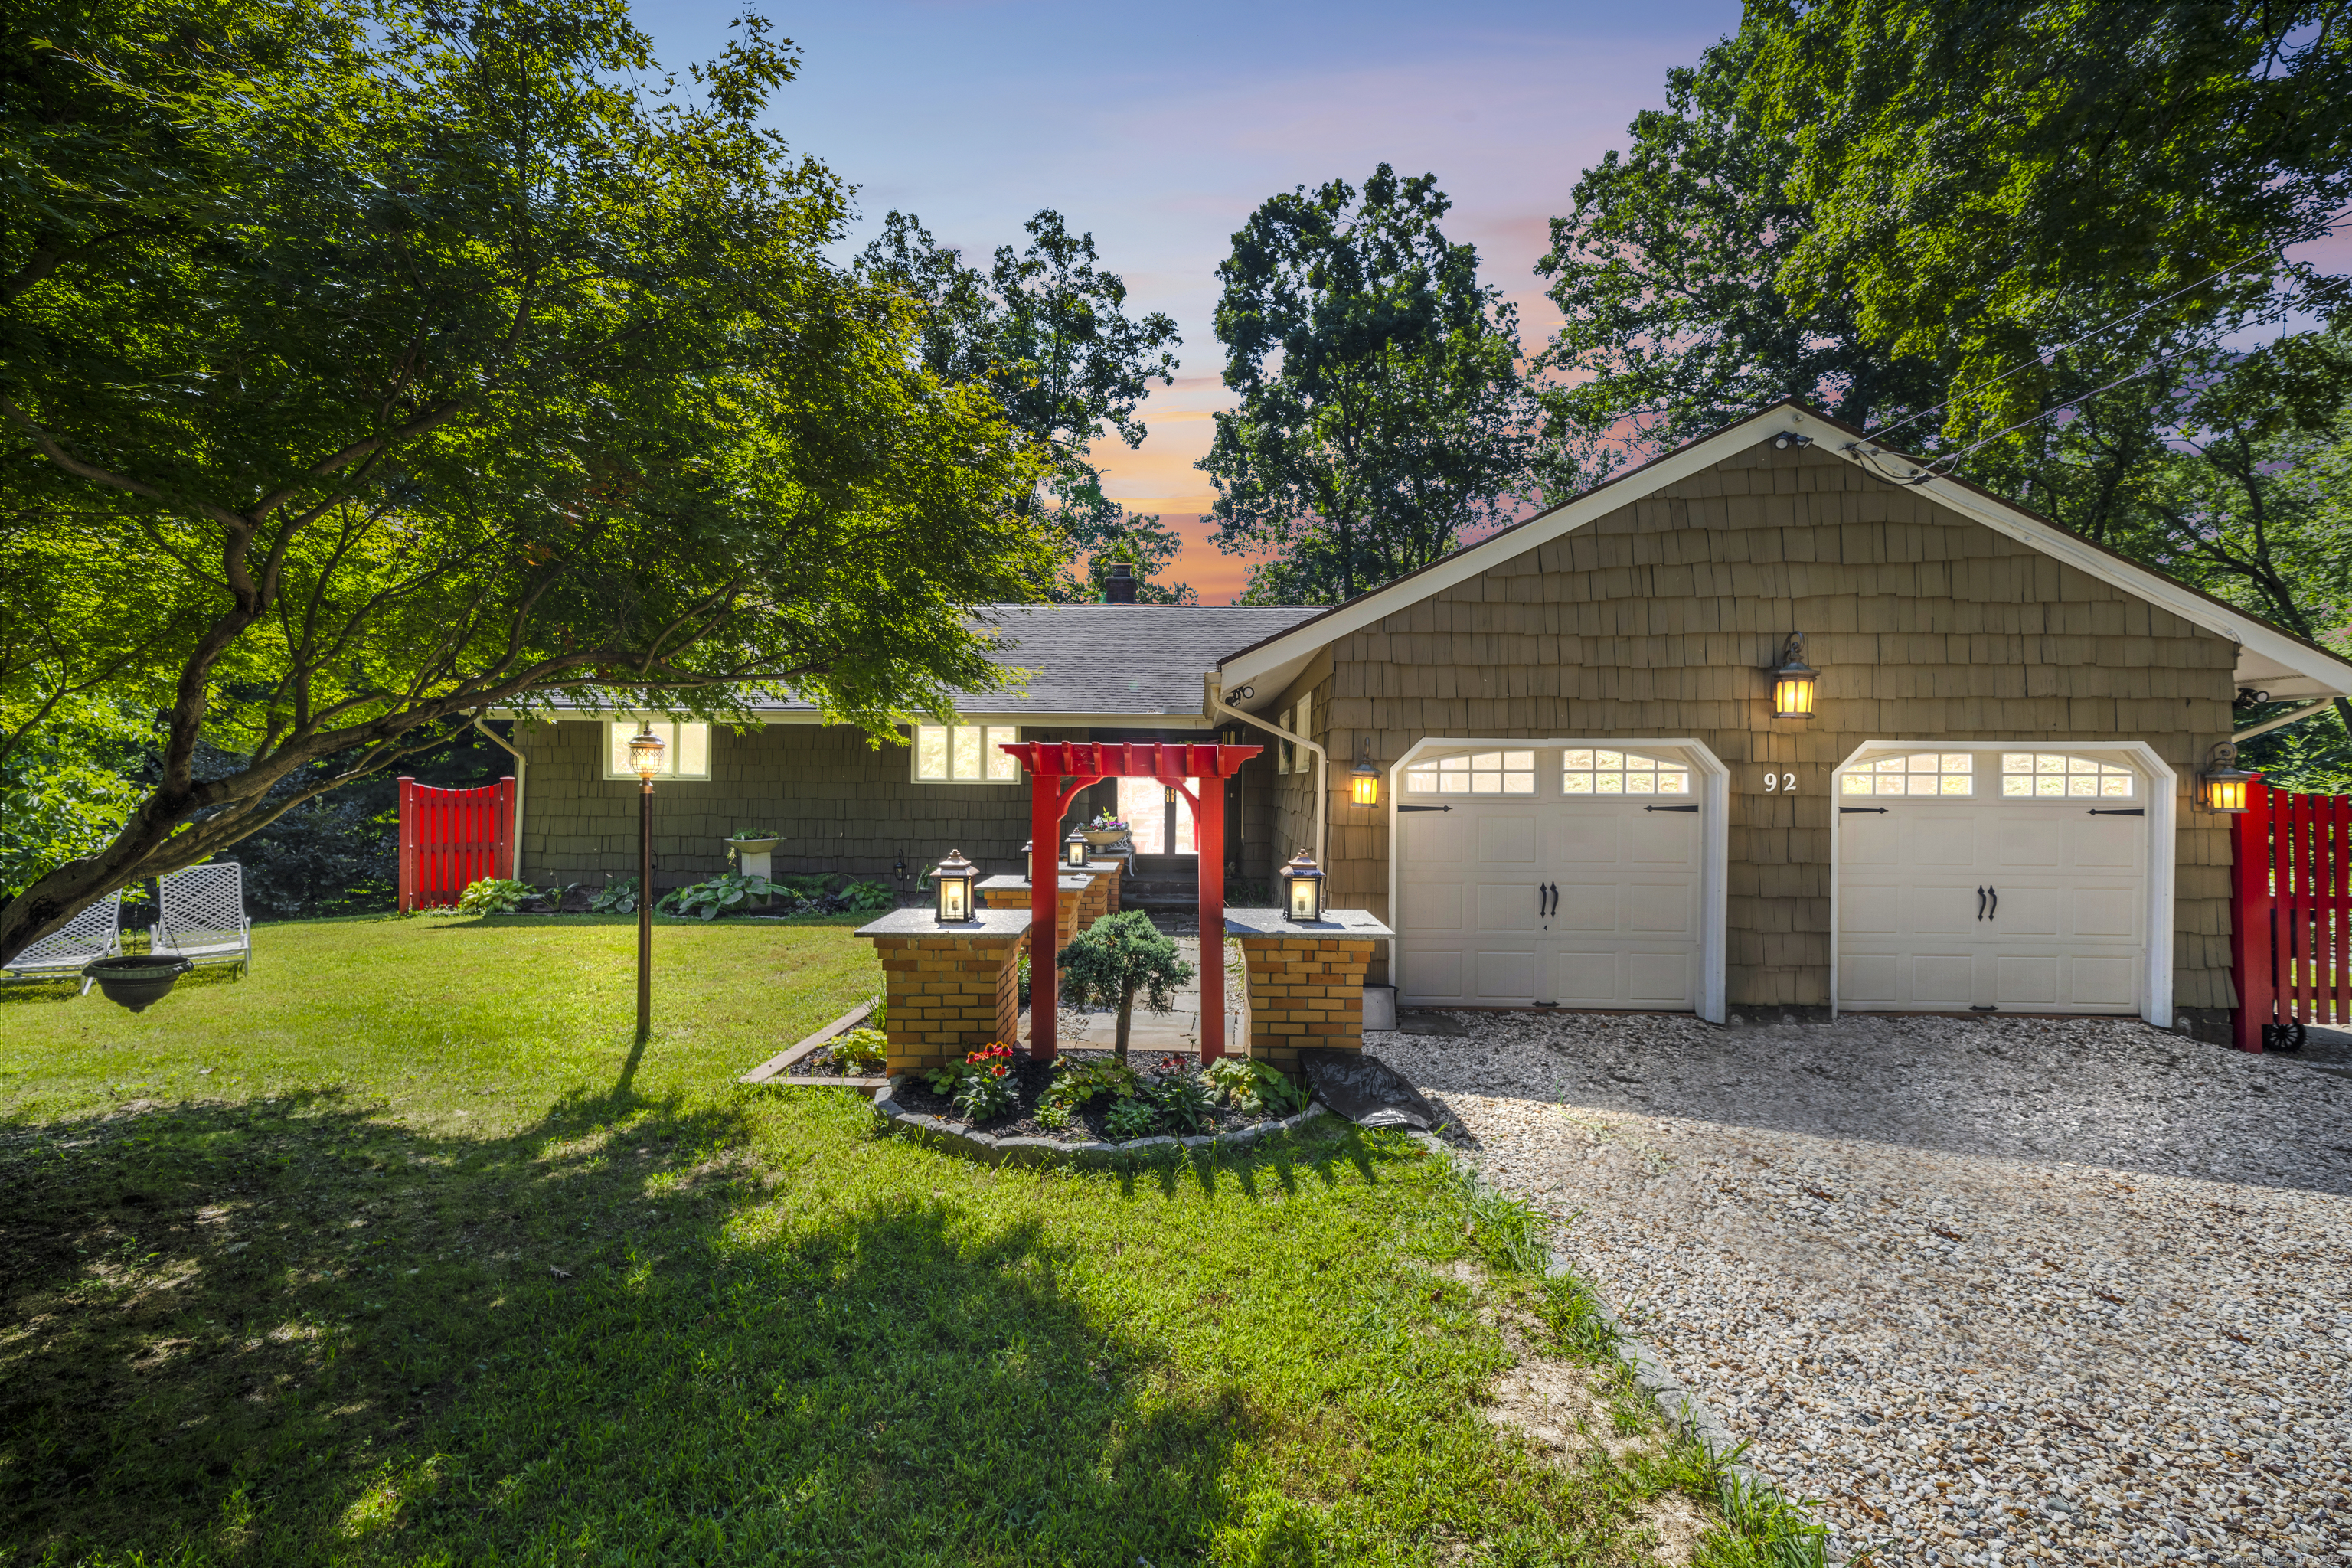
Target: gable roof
(2269, 659)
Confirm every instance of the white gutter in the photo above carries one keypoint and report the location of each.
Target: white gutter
(2267, 725)
(1215, 694)
(514, 867)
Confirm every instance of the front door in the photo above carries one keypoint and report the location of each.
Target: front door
(1555, 876)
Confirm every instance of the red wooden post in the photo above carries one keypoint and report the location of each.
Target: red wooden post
(404, 854)
(1209, 838)
(510, 839)
(2251, 926)
(1044, 891)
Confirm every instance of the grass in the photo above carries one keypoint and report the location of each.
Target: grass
(431, 1267)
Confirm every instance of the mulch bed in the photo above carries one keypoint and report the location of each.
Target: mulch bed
(1030, 1079)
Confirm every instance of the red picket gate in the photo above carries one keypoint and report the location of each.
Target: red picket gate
(451, 838)
(2291, 916)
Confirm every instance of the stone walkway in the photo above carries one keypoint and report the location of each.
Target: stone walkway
(2065, 1291)
(1158, 1034)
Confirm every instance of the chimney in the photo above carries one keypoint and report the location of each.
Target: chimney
(1118, 588)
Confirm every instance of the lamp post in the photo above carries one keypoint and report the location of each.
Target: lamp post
(646, 751)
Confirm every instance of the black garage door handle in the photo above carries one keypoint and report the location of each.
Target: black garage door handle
(1670, 808)
(2135, 811)
(1858, 810)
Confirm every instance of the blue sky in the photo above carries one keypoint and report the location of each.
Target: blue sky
(1161, 128)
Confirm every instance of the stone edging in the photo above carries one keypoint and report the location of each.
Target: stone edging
(941, 1133)
(1675, 1402)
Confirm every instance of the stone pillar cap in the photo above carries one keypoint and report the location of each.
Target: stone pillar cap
(1277, 922)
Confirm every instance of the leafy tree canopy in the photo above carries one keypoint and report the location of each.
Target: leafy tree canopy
(1383, 409)
(363, 366)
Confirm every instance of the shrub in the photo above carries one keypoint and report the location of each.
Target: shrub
(1183, 1100)
(1257, 1089)
(862, 1050)
(711, 898)
(1129, 1119)
(492, 896)
(1120, 957)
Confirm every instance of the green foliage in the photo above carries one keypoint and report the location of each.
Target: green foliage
(615, 898)
(1383, 410)
(714, 896)
(71, 784)
(1133, 1118)
(1982, 181)
(868, 898)
(980, 1085)
(361, 367)
(1117, 959)
(489, 896)
(862, 1050)
(1183, 1099)
(878, 1008)
(1257, 1089)
(1078, 1082)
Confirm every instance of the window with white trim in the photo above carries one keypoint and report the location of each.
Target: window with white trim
(1594, 769)
(685, 747)
(966, 753)
(2046, 775)
(1476, 772)
(1921, 772)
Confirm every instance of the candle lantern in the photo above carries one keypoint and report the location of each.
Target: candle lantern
(2222, 785)
(1075, 849)
(1302, 890)
(1793, 681)
(954, 876)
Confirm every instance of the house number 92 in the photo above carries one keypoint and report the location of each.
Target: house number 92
(1780, 784)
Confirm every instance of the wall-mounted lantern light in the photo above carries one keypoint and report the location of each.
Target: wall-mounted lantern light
(1364, 779)
(955, 874)
(1302, 890)
(1793, 680)
(1075, 849)
(2222, 785)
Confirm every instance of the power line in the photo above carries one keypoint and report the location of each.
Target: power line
(2044, 357)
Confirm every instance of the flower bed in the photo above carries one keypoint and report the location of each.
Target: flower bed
(1082, 1097)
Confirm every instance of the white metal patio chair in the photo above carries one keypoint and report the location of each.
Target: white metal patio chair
(96, 932)
(201, 916)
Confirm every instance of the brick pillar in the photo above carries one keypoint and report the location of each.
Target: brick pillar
(1117, 867)
(1304, 991)
(946, 990)
(1070, 893)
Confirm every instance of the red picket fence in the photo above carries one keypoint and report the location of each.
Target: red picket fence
(2291, 916)
(451, 838)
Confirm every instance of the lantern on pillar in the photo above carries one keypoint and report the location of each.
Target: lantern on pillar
(1793, 681)
(954, 875)
(1302, 890)
(2222, 785)
(1075, 849)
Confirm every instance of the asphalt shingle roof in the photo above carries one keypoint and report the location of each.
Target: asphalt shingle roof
(1141, 659)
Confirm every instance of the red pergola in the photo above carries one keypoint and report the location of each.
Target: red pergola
(1059, 770)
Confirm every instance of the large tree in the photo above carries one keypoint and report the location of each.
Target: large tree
(1383, 409)
(364, 366)
(1984, 181)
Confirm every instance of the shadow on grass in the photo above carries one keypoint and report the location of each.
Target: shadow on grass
(291, 1330)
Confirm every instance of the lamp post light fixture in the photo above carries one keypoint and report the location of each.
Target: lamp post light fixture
(1302, 890)
(2222, 785)
(1075, 849)
(954, 875)
(646, 750)
(1793, 680)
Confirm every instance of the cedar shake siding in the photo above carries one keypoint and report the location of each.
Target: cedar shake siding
(1655, 621)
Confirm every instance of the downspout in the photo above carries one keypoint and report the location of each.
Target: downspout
(1215, 696)
(516, 869)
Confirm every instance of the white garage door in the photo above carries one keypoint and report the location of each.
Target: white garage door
(2009, 881)
(1569, 876)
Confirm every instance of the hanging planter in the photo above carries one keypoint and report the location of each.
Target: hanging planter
(137, 979)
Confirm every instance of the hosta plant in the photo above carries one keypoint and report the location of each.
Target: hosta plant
(1131, 1119)
(711, 898)
(862, 1050)
(1184, 1102)
(492, 896)
(1257, 1089)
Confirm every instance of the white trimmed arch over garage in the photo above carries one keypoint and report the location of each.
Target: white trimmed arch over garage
(1526, 879)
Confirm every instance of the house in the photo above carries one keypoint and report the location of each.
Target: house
(1584, 795)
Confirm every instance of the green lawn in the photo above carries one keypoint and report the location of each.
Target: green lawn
(397, 1252)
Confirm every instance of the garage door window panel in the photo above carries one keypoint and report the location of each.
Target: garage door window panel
(2055, 775)
(1601, 771)
(1942, 774)
(1476, 772)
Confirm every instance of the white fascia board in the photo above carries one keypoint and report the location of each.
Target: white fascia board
(1180, 719)
(2304, 671)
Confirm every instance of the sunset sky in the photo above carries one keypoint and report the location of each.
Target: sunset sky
(1161, 128)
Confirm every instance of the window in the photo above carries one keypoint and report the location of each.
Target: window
(1922, 772)
(2044, 774)
(1482, 773)
(966, 753)
(1593, 770)
(686, 748)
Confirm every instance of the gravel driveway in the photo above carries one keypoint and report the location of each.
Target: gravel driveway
(2067, 1291)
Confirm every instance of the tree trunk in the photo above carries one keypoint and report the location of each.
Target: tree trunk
(1126, 1012)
